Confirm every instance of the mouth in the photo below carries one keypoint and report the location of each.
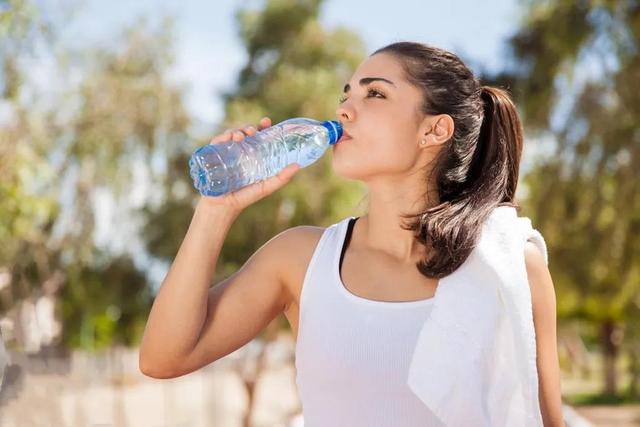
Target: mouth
(345, 137)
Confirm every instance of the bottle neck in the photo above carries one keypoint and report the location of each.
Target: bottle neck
(335, 130)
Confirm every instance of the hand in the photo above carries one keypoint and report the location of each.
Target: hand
(238, 200)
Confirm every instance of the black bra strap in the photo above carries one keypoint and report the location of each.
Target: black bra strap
(347, 239)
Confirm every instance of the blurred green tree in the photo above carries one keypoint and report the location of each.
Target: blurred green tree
(27, 211)
(94, 137)
(131, 119)
(114, 300)
(575, 71)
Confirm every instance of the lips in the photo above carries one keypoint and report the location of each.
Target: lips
(345, 136)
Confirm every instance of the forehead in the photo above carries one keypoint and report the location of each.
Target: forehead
(380, 65)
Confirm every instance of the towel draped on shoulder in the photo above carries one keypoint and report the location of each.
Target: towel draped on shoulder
(474, 363)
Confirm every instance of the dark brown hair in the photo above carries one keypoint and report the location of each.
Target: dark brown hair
(476, 170)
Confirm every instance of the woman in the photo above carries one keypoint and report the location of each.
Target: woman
(438, 152)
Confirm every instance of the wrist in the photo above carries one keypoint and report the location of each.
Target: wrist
(209, 206)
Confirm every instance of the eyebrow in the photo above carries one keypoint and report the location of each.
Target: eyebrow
(365, 81)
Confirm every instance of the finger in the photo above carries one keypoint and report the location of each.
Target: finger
(223, 137)
(281, 178)
(244, 129)
(263, 188)
(265, 122)
(238, 135)
(292, 168)
(250, 130)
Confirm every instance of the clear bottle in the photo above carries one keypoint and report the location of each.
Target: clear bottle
(217, 169)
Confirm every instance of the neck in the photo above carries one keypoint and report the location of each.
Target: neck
(380, 228)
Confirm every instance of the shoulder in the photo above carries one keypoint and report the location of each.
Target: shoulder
(540, 281)
(293, 248)
(300, 237)
(532, 253)
(281, 254)
(535, 261)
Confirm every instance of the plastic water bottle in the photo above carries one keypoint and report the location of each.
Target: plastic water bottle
(217, 169)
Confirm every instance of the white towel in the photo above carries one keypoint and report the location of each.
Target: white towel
(474, 363)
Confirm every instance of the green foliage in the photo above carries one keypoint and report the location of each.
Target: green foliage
(585, 195)
(122, 115)
(549, 41)
(28, 209)
(104, 305)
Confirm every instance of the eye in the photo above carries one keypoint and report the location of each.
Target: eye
(369, 92)
(374, 91)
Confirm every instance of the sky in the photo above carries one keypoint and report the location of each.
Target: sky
(209, 54)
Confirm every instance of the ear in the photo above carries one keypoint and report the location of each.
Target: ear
(436, 130)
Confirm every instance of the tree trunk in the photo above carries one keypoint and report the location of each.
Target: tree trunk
(634, 371)
(610, 338)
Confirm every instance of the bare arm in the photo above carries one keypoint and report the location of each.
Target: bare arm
(222, 318)
(191, 325)
(180, 307)
(544, 318)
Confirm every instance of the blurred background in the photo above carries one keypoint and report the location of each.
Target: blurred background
(102, 103)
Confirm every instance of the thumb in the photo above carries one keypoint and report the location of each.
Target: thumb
(294, 168)
(289, 171)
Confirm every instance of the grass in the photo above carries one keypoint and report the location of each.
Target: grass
(583, 399)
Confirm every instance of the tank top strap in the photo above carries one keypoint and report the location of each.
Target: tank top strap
(319, 287)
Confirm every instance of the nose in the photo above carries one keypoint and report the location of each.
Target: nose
(344, 112)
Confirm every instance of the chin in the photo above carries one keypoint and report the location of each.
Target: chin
(350, 167)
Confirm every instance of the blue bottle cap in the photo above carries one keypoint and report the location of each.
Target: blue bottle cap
(335, 130)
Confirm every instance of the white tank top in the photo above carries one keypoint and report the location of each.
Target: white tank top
(353, 353)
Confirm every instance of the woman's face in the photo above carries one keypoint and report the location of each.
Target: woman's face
(383, 119)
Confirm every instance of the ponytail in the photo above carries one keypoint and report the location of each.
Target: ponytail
(499, 145)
